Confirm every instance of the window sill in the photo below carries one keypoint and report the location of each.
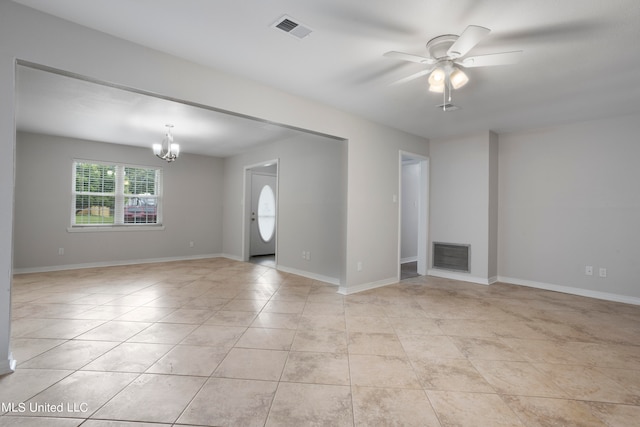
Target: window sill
(115, 228)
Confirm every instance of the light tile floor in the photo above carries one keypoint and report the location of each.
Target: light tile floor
(218, 342)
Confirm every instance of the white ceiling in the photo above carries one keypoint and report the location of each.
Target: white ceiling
(60, 105)
(579, 59)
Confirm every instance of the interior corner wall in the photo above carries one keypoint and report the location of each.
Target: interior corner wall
(460, 194)
(7, 180)
(569, 198)
(311, 204)
(192, 207)
(492, 256)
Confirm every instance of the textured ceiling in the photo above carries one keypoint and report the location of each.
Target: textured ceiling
(579, 62)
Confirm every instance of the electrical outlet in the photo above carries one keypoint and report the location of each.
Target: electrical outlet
(191, 244)
(304, 254)
(603, 272)
(588, 270)
(60, 251)
(308, 255)
(359, 266)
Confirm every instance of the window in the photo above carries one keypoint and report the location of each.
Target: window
(114, 194)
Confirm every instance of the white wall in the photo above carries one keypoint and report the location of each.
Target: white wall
(570, 197)
(409, 211)
(311, 204)
(461, 180)
(192, 206)
(372, 232)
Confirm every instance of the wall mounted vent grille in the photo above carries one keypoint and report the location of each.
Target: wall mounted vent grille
(451, 256)
(292, 27)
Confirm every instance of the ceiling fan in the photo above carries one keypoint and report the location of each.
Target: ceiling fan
(447, 57)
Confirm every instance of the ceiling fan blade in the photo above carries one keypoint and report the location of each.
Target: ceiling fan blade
(409, 57)
(412, 76)
(470, 37)
(504, 58)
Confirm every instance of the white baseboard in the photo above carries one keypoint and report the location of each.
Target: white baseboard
(461, 276)
(7, 366)
(327, 279)
(571, 290)
(112, 263)
(232, 257)
(408, 259)
(314, 276)
(348, 290)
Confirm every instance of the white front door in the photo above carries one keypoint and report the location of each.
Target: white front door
(262, 229)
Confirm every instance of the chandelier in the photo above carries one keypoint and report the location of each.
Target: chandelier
(168, 150)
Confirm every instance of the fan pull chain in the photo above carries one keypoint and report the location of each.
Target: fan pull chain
(444, 96)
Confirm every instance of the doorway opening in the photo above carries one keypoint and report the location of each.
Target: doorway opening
(261, 208)
(413, 226)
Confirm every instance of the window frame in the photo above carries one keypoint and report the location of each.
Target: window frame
(119, 196)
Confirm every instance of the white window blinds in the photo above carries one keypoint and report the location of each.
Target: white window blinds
(115, 194)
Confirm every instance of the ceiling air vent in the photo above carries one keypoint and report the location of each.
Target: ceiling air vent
(292, 27)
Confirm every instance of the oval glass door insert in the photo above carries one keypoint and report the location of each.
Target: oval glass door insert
(266, 213)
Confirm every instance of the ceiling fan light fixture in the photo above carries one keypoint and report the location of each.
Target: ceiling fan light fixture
(437, 88)
(458, 78)
(437, 77)
(447, 57)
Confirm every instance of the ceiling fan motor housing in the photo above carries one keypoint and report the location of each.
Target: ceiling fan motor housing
(438, 46)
